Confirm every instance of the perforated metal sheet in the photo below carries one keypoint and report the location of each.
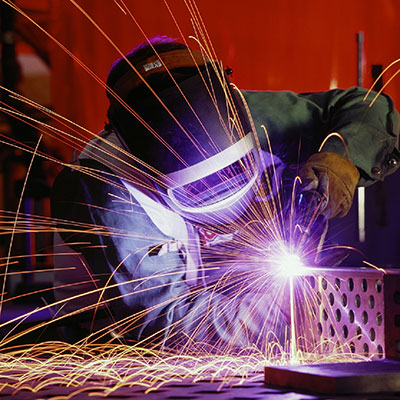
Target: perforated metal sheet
(354, 311)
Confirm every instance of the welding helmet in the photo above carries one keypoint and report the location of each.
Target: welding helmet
(191, 133)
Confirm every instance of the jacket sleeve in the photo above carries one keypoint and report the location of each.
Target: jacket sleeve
(151, 299)
(298, 124)
(99, 220)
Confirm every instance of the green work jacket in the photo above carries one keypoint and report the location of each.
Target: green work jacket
(298, 124)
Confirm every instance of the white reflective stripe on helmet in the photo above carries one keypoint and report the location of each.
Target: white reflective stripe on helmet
(213, 164)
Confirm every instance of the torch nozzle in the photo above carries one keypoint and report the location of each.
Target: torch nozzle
(308, 207)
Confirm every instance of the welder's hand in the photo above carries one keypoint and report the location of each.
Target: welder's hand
(334, 178)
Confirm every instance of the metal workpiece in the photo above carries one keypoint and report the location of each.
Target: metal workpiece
(349, 319)
(349, 311)
(345, 378)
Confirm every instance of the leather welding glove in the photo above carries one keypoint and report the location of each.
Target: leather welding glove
(334, 178)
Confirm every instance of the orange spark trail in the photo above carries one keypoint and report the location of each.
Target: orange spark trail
(377, 79)
(15, 222)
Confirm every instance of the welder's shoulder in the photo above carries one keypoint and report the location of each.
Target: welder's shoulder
(262, 98)
(282, 104)
(322, 103)
(285, 98)
(349, 96)
(358, 104)
(281, 111)
(352, 98)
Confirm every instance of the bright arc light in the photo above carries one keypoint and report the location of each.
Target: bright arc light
(290, 264)
(284, 261)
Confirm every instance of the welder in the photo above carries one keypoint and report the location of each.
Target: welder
(150, 212)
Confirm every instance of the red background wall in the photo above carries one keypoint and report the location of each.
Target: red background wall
(300, 45)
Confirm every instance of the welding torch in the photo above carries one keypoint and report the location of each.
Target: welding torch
(311, 225)
(308, 207)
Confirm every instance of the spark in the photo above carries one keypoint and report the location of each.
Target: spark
(15, 223)
(338, 135)
(375, 267)
(108, 368)
(120, 7)
(377, 80)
